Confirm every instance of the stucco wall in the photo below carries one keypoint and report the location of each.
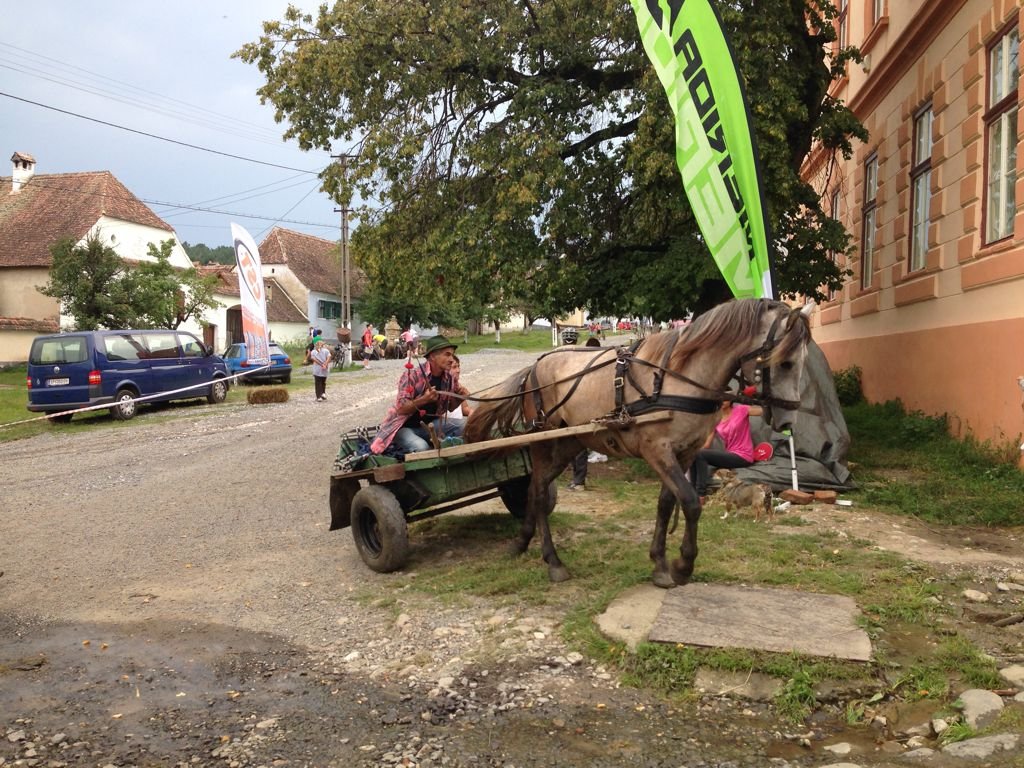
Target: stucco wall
(946, 338)
(19, 294)
(15, 346)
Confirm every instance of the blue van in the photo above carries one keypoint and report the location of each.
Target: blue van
(73, 370)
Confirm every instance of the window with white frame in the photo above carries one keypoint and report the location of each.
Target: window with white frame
(843, 22)
(867, 241)
(1001, 134)
(920, 188)
(833, 212)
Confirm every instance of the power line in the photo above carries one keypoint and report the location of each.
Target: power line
(154, 136)
(36, 181)
(236, 197)
(110, 87)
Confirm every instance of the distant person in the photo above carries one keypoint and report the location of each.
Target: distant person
(321, 357)
(368, 344)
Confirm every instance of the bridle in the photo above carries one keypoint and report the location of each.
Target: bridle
(762, 370)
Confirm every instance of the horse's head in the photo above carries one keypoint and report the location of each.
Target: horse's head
(776, 366)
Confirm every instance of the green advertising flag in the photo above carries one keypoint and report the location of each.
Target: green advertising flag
(715, 147)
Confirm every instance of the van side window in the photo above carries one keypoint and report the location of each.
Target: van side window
(123, 346)
(190, 346)
(70, 349)
(162, 346)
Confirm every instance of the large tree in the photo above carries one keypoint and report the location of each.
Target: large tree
(525, 148)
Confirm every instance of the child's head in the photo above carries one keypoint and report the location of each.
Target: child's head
(456, 365)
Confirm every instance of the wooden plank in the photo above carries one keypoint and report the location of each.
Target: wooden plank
(532, 437)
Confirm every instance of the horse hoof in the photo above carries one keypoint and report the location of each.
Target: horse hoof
(663, 580)
(558, 573)
(680, 573)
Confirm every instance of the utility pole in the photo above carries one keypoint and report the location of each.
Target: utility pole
(346, 267)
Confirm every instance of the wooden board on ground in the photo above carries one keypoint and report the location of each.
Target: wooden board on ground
(783, 621)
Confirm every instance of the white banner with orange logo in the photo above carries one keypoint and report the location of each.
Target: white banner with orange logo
(253, 295)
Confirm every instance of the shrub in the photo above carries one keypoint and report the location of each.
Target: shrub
(848, 386)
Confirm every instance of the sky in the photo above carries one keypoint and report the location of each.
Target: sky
(164, 69)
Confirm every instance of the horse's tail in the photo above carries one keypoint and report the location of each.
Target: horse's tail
(497, 417)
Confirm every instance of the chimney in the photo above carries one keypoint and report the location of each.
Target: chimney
(24, 169)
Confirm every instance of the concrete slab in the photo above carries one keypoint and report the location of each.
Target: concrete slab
(629, 617)
(783, 621)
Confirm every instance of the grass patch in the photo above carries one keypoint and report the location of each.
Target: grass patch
(907, 463)
(606, 553)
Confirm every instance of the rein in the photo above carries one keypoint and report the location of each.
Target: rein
(625, 358)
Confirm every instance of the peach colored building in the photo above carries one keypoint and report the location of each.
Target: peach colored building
(934, 310)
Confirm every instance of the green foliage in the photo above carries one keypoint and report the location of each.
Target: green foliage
(90, 280)
(100, 290)
(959, 731)
(797, 699)
(910, 464)
(848, 386)
(524, 156)
(204, 254)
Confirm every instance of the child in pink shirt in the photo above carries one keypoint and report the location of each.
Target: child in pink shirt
(734, 431)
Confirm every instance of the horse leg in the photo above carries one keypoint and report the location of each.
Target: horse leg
(666, 503)
(674, 478)
(548, 463)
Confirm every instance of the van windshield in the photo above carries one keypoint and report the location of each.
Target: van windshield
(65, 349)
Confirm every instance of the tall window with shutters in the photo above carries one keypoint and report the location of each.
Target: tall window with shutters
(868, 213)
(1001, 135)
(920, 188)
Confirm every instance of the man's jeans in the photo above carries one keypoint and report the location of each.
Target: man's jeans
(413, 439)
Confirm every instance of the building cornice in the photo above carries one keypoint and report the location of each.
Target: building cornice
(904, 51)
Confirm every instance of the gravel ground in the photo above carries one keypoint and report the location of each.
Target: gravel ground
(170, 595)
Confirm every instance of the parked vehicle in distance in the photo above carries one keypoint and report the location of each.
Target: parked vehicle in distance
(280, 364)
(83, 368)
(624, 325)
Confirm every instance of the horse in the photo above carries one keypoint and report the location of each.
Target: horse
(682, 373)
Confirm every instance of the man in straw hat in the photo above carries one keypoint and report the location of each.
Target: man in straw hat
(424, 398)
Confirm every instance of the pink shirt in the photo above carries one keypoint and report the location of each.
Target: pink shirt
(735, 432)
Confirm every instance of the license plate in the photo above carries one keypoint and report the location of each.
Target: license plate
(57, 382)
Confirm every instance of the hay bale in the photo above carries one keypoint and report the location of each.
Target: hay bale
(260, 395)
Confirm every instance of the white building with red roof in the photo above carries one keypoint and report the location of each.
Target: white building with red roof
(39, 210)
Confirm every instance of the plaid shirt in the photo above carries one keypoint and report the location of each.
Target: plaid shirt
(414, 383)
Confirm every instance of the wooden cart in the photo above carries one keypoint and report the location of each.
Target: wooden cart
(381, 496)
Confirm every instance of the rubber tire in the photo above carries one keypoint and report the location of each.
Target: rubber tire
(513, 496)
(379, 529)
(286, 379)
(218, 392)
(124, 411)
(60, 419)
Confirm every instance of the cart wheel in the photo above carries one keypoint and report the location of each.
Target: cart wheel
(379, 529)
(513, 496)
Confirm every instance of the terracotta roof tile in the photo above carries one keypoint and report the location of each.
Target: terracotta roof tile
(280, 308)
(315, 261)
(53, 206)
(41, 325)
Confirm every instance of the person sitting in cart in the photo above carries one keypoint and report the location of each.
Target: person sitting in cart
(424, 399)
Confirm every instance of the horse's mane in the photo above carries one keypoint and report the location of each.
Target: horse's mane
(730, 325)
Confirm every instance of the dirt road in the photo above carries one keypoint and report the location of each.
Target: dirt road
(170, 595)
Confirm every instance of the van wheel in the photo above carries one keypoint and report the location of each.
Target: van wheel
(125, 407)
(286, 379)
(218, 392)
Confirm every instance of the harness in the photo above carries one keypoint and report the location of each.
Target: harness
(756, 392)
